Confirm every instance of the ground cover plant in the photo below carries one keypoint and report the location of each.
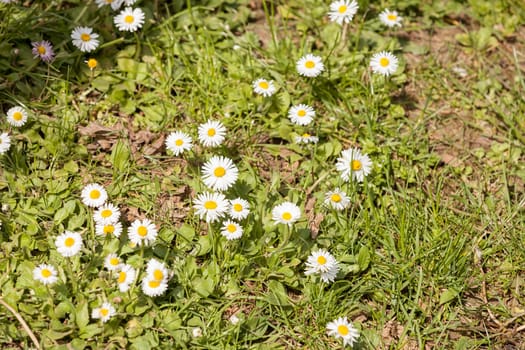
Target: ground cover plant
(262, 174)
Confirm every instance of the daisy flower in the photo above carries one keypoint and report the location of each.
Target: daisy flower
(157, 271)
(211, 133)
(263, 87)
(178, 142)
(5, 142)
(211, 206)
(384, 63)
(47, 274)
(94, 195)
(390, 18)
(129, 19)
(112, 262)
(129, 2)
(341, 328)
(342, 11)
(301, 114)
(239, 208)
(69, 243)
(92, 63)
(323, 263)
(142, 232)
(115, 4)
(231, 230)
(310, 65)
(126, 276)
(286, 213)
(104, 312)
(44, 50)
(196, 332)
(106, 214)
(85, 39)
(114, 229)
(16, 116)
(354, 164)
(153, 288)
(306, 138)
(336, 199)
(219, 173)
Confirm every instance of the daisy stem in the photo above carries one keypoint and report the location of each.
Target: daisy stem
(71, 277)
(137, 53)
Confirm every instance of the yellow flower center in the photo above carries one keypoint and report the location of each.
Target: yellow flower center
(154, 284)
(46, 273)
(335, 198)
(309, 64)
(231, 228)
(384, 62)
(85, 37)
(342, 9)
(109, 1)
(306, 135)
(237, 207)
(108, 229)
(69, 242)
(179, 142)
(356, 165)
(264, 85)
(129, 19)
(342, 330)
(210, 205)
(18, 116)
(114, 261)
(301, 113)
(122, 277)
(142, 231)
(211, 132)
(106, 213)
(219, 171)
(104, 312)
(321, 260)
(391, 17)
(94, 194)
(158, 275)
(41, 50)
(92, 63)
(287, 216)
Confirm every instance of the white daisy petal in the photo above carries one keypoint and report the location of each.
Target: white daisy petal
(129, 19)
(323, 263)
(342, 11)
(69, 243)
(5, 142)
(384, 63)
(310, 66)
(353, 164)
(106, 214)
(94, 195)
(264, 87)
(104, 312)
(336, 199)
(219, 173)
(16, 116)
(142, 232)
(212, 133)
(178, 142)
(341, 328)
(231, 230)
(286, 213)
(301, 114)
(47, 274)
(239, 209)
(390, 18)
(211, 206)
(85, 39)
(126, 277)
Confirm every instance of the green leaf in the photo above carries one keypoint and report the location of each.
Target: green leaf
(277, 294)
(82, 315)
(363, 258)
(203, 286)
(448, 295)
(120, 156)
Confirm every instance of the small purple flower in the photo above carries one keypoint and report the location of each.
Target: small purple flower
(44, 50)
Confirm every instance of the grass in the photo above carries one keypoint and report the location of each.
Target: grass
(431, 248)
